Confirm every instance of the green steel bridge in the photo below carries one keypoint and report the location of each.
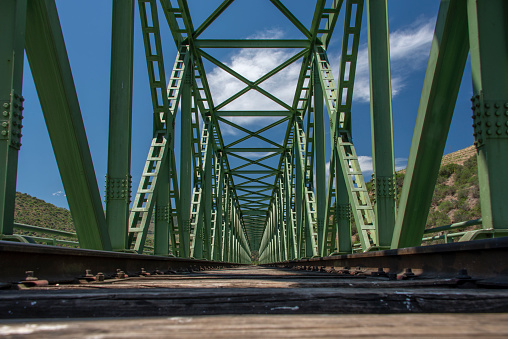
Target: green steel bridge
(269, 190)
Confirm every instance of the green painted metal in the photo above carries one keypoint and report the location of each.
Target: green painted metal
(118, 178)
(46, 53)
(162, 214)
(252, 43)
(446, 65)
(488, 40)
(381, 121)
(320, 158)
(231, 196)
(12, 35)
(45, 230)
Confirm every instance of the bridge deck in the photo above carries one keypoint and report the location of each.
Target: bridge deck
(258, 301)
(271, 326)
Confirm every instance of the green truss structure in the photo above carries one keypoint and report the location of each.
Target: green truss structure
(268, 191)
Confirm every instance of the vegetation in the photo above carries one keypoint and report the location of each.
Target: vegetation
(32, 211)
(456, 195)
(36, 212)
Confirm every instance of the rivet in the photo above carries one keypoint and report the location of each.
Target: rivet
(506, 105)
(488, 124)
(506, 113)
(5, 124)
(497, 113)
(4, 133)
(498, 124)
(6, 105)
(489, 132)
(499, 132)
(478, 114)
(478, 105)
(506, 123)
(496, 105)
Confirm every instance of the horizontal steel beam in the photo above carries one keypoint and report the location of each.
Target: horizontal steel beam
(253, 113)
(252, 43)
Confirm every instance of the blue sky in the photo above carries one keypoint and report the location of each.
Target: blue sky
(87, 33)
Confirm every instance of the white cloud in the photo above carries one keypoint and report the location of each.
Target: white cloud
(409, 50)
(367, 167)
(58, 194)
(272, 33)
(253, 64)
(365, 163)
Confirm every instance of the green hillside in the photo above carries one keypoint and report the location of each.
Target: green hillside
(32, 211)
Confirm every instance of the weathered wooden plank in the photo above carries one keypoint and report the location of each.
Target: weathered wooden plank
(202, 301)
(272, 326)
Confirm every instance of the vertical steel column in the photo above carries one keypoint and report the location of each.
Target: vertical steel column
(447, 60)
(227, 227)
(162, 213)
(186, 152)
(342, 210)
(319, 153)
(292, 238)
(118, 179)
(12, 35)
(219, 191)
(381, 120)
(208, 195)
(52, 75)
(488, 40)
(283, 221)
(300, 228)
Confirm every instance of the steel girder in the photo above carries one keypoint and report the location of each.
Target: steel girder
(232, 198)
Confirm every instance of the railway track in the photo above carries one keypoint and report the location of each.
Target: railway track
(102, 294)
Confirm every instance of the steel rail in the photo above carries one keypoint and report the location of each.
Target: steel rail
(481, 259)
(55, 264)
